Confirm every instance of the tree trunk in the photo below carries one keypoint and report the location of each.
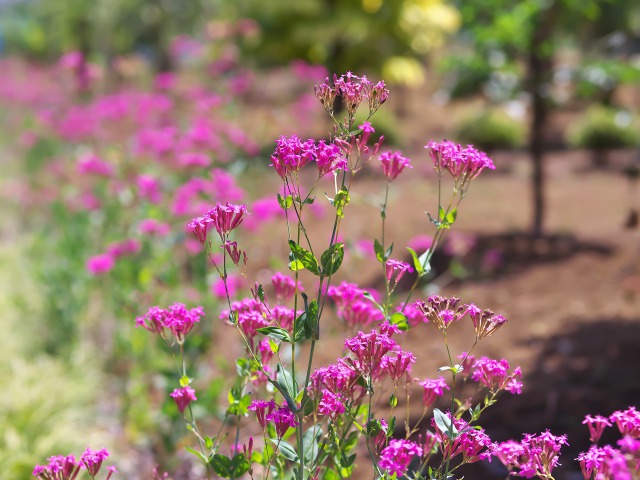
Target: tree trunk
(540, 67)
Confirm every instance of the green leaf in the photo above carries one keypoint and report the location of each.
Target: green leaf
(379, 251)
(198, 454)
(393, 400)
(310, 441)
(285, 203)
(221, 465)
(239, 465)
(184, 381)
(288, 384)
(457, 368)
(416, 263)
(261, 293)
(451, 216)
(426, 266)
(340, 201)
(276, 333)
(331, 259)
(445, 424)
(399, 319)
(373, 428)
(305, 257)
(305, 325)
(286, 449)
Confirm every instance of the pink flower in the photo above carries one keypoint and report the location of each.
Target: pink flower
(149, 188)
(99, 264)
(193, 159)
(92, 460)
(59, 468)
(92, 164)
(151, 226)
(177, 319)
(224, 218)
(470, 442)
(433, 388)
(462, 163)
(329, 158)
(535, 455)
(596, 425)
(494, 374)
(396, 456)
(284, 287)
(485, 322)
(183, 397)
(263, 409)
(291, 154)
(628, 421)
(397, 268)
(441, 311)
(125, 247)
(331, 404)
(367, 351)
(234, 283)
(398, 365)
(283, 418)
(393, 163)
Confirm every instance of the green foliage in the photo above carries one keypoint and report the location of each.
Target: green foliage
(491, 129)
(603, 128)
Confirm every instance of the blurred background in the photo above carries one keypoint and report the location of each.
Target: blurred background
(122, 119)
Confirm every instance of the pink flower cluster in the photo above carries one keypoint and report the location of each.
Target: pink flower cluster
(183, 397)
(177, 319)
(224, 218)
(607, 462)
(67, 468)
(494, 374)
(433, 388)
(463, 163)
(470, 442)
(441, 311)
(353, 91)
(535, 455)
(396, 456)
(291, 154)
(485, 322)
(352, 307)
(281, 417)
(393, 163)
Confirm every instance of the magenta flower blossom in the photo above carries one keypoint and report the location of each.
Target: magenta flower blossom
(284, 286)
(99, 264)
(393, 163)
(263, 409)
(149, 188)
(331, 405)
(177, 319)
(92, 164)
(235, 254)
(125, 247)
(367, 350)
(535, 455)
(283, 418)
(485, 322)
(399, 365)
(360, 313)
(92, 460)
(604, 463)
(249, 322)
(151, 226)
(338, 378)
(441, 311)
(397, 268)
(433, 388)
(494, 374)
(345, 293)
(353, 91)
(291, 154)
(596, 425)
(462, 163)
(396, 456)
(329, 158)
(67, 468)
(183, 397)
(473, 444)
(628, 421)
(224, 218)
(414, 316)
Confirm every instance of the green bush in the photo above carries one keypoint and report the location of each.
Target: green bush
(603, 128)
(491, 129)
